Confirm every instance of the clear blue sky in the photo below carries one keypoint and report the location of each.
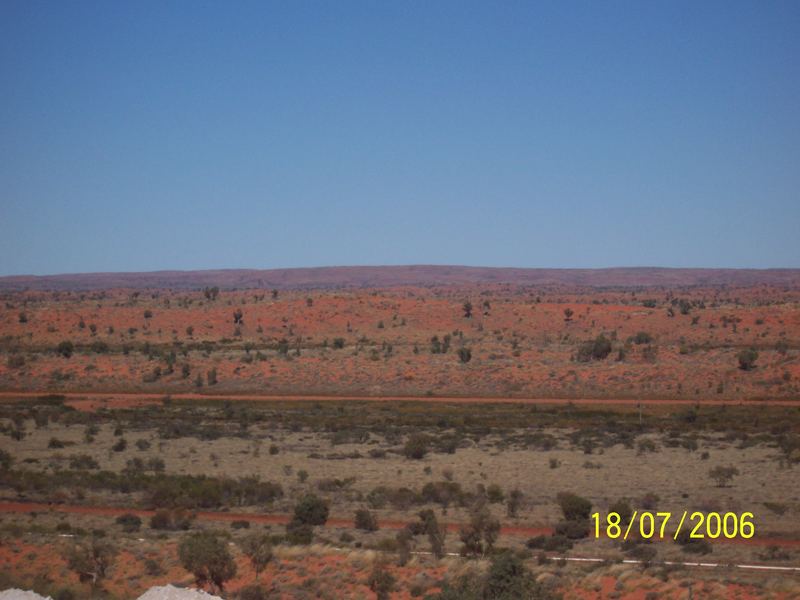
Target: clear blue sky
(159, 135)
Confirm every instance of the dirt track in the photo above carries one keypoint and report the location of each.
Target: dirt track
(281, 519)
(132, 398)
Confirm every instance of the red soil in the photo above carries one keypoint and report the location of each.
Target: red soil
(521, 345)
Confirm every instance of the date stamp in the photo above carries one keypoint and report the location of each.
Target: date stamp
(699, 525)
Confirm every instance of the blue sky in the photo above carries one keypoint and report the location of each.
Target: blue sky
(182, 135)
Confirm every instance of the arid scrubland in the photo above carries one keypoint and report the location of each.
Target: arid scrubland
(393, 479)
(496, 341)
(397, 443)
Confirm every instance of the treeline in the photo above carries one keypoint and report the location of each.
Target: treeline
(159, 490)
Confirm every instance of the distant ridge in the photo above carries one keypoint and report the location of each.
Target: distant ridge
(421, 275)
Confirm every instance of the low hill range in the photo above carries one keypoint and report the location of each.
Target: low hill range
(409, 275)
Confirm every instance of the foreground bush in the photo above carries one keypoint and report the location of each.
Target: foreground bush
(207, 557)
(91, 560)
(507, 579)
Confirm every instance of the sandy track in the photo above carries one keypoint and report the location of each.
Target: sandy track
(282, 519)
(132, 398)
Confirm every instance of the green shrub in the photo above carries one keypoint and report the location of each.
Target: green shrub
(573, 530)
(253, 592)
(416, 446)
(65, 348)
(311, 510)
(747, 359)
(551, 543)
(299, 534)
(597, 349)
(574, 507)
(129, 522)
(365, 520)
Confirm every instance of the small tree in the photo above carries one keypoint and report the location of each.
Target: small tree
(467, 307)
(211, 376)
(258, 549)
(480, 534)
(435, 532)
(238, 317)
(568, 312)
(91, 560)
(513, 502)
(723, 475)
(404, 539)
(381, 581)
(464, 355)
(207, 557)
(747, 359)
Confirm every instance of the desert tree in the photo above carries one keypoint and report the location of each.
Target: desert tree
(405, 540)
(436, 533)
(91, 560)
(381, 581)
(479, 535)
(207, 557)
(568, 312)
(513, 502)
(467, 308)
(258, 549)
